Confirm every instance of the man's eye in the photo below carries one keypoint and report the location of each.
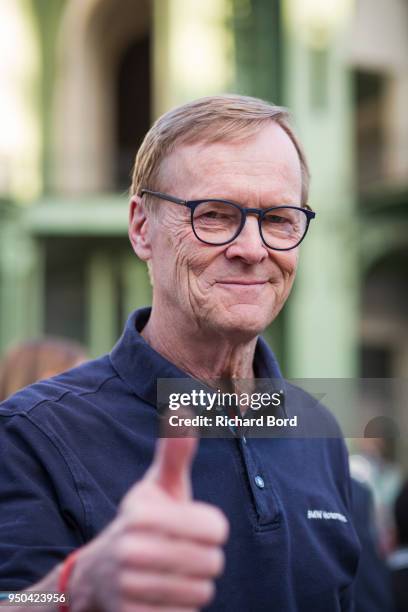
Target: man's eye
(214, 214)
(276, 219)
(211, 214)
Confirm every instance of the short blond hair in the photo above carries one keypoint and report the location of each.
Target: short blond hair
(222, 118)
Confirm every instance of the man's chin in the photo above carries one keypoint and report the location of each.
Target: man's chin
(243, 322)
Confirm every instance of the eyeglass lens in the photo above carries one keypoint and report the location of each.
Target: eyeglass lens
(219, 222)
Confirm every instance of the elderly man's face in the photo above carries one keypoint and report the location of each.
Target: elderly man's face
(238, 288)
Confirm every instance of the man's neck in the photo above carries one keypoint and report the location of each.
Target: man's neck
(200, 354)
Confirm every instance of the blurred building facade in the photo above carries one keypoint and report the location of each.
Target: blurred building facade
(84, 80)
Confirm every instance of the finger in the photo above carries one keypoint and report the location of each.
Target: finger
(155, 553)
(171, 590)
(190, 521)
(171, 467)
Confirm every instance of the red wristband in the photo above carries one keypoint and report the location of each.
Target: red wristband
(64, 577)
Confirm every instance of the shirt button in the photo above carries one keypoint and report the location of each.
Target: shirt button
(259, 481)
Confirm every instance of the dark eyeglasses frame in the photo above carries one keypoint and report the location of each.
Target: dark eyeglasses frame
(260, 212)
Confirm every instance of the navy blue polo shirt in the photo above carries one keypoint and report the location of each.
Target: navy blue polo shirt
(72, 446)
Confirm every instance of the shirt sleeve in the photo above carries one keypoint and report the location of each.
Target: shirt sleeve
(40, 510)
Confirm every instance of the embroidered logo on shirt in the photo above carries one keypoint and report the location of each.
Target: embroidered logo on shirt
(324, 515)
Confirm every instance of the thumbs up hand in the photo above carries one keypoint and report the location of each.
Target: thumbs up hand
(162, 552)
(171, 467)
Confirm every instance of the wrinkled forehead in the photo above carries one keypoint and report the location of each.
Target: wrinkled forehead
(268, 160)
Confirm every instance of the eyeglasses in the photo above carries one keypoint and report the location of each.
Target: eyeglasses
(219, 222)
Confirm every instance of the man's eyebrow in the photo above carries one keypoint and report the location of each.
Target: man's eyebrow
(285, 200)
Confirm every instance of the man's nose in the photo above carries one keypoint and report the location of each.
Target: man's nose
(248, 245)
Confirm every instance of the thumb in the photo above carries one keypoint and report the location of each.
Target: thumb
(171, 467)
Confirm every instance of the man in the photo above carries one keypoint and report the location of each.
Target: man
(218, 210)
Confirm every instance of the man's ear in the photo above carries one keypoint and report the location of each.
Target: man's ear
(139, 229)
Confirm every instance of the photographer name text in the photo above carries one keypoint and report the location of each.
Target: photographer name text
(234, 421)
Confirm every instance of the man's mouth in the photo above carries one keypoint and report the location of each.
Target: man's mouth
(242, 282)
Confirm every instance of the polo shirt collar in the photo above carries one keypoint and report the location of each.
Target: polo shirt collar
(139, 365)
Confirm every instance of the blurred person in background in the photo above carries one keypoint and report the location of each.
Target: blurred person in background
(372, 464)
(33, 360)
(398, 560)
(372, 587)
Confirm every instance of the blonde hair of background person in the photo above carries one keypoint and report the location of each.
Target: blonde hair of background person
(33, 360)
